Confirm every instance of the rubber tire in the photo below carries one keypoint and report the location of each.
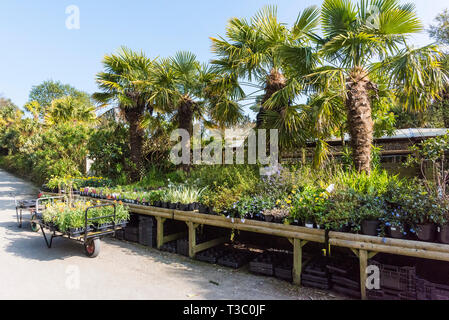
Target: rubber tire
(19, 223)
(35, 227)
(92, 248)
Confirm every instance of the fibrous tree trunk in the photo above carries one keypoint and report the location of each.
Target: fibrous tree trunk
(136, 136)
(185, 121)
(275, 82)
(360, 122)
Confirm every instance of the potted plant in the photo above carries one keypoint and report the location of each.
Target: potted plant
(369, 214)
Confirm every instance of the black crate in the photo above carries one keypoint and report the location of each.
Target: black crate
(283, 268)
(234, 258)
(120, 234)
(345, 282)
(147, 231)
(182, 247)
(400, 278)
(350, 292)
(426, 290)
(263, 263)
(169, 246)
(132, 234)
(315, 274)
(211, 255)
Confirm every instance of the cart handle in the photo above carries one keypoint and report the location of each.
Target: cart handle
(49, 198)
(97, 218)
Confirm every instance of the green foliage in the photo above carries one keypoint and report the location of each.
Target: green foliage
(109, 146)
(65, 216)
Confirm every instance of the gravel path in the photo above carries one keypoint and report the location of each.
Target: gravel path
(29, 270)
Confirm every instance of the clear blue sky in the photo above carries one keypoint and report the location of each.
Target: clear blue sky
(37, 46)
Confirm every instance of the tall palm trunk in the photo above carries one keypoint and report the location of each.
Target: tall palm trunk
(360, 122)
(136, 135)
(445, 106)
(275, 82)
(185, 121)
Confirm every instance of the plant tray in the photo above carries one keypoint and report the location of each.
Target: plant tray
(311, 284)
(350, 292)
(234, 259)
(211, 255)
(283, 269)
(345, 282)
(263, 263)
(169, 246)
(313, 278)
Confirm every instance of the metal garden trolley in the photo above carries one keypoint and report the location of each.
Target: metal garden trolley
(35, 206)
(89, 237)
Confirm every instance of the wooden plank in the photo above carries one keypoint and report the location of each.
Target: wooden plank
(174, 236)
(419, 253)
(297, 261)
(188, 215)
(269, 229)
(209, 244)
(428, 246)
(363, 257)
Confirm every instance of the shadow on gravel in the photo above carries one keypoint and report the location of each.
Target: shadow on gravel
(23, 243)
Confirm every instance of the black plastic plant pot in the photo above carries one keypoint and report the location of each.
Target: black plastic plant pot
(268, 218)
(203, 209)
(164, 204)
(196, 205)
(172, 205)
(191, 207)
(278, 219)
(309, 224)
(443, 234)
(370, 227)
(157, 204)
(426, 232)
(183, 207)
(396, 232)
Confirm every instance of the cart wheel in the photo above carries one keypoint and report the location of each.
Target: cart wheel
(19, 218)
(92, 247)
(34, 225)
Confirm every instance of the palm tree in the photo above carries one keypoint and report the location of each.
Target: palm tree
(68, 109)
(356, 38)
(252, 54)
(124, 83)
(177, 88)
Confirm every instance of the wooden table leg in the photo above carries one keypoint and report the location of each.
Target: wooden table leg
(363, 257)
(192, 238)
(160, 231)
(297, 261)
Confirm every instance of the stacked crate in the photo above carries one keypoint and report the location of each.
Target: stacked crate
(132, 229)
(211, 255)
(427, 290)
(315, 274)
(283, 268)
(396, 283)
(264, 263)
(345, 276)
(147, 231)
(235, 258)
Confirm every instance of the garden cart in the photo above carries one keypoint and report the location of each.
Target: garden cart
(90, 235)
(35, 207)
